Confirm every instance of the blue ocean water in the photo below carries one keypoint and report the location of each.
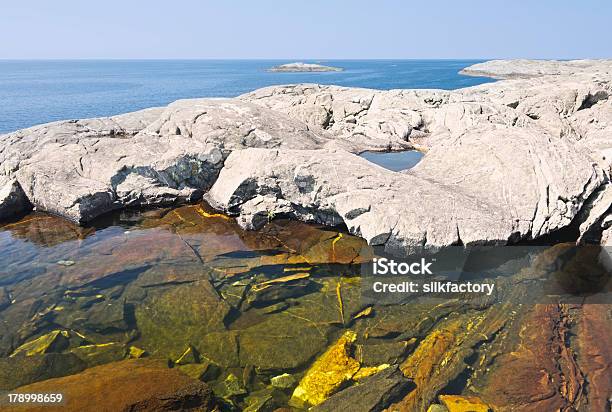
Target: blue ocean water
(34, 92)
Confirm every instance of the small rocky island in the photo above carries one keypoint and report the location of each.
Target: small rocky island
(303, 67)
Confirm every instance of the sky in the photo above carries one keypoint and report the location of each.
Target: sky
(293, 29)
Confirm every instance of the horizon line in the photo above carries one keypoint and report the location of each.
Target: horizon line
(291, 59)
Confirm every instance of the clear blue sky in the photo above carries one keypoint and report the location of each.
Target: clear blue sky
(292, 29)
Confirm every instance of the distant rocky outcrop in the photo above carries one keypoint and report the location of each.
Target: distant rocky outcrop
(513, 160)
(524, 68)
(304, 67)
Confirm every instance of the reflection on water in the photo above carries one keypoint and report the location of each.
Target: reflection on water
(247, 312)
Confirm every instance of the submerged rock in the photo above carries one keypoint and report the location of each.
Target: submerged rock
(55, 341)
(21, 370)
(99, 354)
(456, 403)
(230, 387)
(284, 381)
(263, 400)
(595, 353)
(329, 372)
(136, 353)
(277, 289)
(5, 299)
(380, 353)
(372, 394)
(171, 320)
(294, 341)
(127, 385)
(190, 355)
(544, 369)
(206, 371)
(436, 407)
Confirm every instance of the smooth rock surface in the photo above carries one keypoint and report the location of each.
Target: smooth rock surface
(133, 385)
(526, 68)
(372, 394)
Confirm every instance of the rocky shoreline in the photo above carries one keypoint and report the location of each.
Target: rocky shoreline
(509, 161)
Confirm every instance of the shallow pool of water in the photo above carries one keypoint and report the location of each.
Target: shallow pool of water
(165, 282)
(395, 161)
(237, 309)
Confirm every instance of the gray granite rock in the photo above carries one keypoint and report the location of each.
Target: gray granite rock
(434, 205)
(525, 68)
(516, 159)
(12, 198)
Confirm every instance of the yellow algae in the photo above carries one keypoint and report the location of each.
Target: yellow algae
(189, 356)
(333, 246)
(298, 269)
(205, 214)
(340, 303)
(42, 344)
(369, 371)
(284, 279)
(136, 352)
(98, 345)
(455, 403)
(80, 335)
(328, 373)
(364, 313)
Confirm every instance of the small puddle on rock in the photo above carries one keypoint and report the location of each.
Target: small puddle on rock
(395, 161)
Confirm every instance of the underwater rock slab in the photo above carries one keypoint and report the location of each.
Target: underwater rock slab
(372, 394)
(292, 340)
(456, 403)
(329, 372)
(171, 320)
(127, 385)
(21, 370)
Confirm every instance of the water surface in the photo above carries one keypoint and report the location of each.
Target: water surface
(395, 161)
(34, 92)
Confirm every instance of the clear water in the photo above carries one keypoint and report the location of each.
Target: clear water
(34, 92)
(395, 161)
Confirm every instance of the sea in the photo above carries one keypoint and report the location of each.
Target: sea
(40, 91)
